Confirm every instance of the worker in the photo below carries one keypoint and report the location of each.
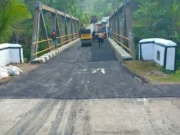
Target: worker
(96, 35)
(101, 36)
(109, 32)
(53, 36)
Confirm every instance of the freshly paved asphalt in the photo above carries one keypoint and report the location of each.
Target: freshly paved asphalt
(83, 73)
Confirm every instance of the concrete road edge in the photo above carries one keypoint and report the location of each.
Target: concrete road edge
(120, 53)
(44, 58)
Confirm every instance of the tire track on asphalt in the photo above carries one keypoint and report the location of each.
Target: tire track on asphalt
(68, 88)
(56, 123)
(86, 121)
(19, 123)
(67, 77)
(33, 115)
(39, 121)
(69, 129)
(83, 117)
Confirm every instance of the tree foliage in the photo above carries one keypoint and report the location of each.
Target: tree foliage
(152, 18)
(157, 18)
(68, 6)
(103, 8)
(11, 13)
(115, 4)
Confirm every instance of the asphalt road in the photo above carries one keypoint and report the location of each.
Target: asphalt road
(84, 73)
(86, 91)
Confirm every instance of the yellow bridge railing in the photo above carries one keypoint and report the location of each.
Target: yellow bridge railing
(116, 36)
(73, 36)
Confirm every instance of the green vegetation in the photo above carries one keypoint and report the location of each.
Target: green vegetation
(103, 8)
(16, 22)
(151, 18)
(157, 18)
(152, 72)
(160, 19)
(71, 7)
(11, 14)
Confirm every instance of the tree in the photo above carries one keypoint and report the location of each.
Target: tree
(101, 8)
(71, 7)
(115, 4)
(154, 19)
(11, 13)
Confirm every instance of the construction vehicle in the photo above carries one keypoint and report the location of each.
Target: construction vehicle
(86, 37)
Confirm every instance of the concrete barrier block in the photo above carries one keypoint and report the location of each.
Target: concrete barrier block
(35, 61)
(45, 57)
(62, 49)
(53, 54)
(38, 61)
(56, 52)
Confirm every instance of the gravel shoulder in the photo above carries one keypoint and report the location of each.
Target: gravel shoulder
(25, 67)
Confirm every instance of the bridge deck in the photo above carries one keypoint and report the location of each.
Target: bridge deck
(94, 76)
(83, 73)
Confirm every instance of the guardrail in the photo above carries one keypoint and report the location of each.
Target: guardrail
(65, 25)
(73, 36)
(116, 36)
(121, 24)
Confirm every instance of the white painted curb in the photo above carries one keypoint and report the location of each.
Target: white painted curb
(121, 54)
(44, 58)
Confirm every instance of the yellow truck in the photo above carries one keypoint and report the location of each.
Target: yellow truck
(86, 37)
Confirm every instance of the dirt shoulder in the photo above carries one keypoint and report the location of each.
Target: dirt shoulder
(25, 67)
(152, 72)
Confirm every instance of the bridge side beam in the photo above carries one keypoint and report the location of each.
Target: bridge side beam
(53, 21)
(58, 27)
(44, 28)
(76, 27)
(63, 27)
(117, 21)
(129, 27)
(67, 28)
(52, 10)
(71, 23)
(67, 25)
(35, 32)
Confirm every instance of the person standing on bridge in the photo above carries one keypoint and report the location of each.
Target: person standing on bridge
(109, 32)
(54, 38)
(101, 37)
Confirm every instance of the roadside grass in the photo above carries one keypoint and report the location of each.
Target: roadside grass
(153, 72)
(173, 77)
